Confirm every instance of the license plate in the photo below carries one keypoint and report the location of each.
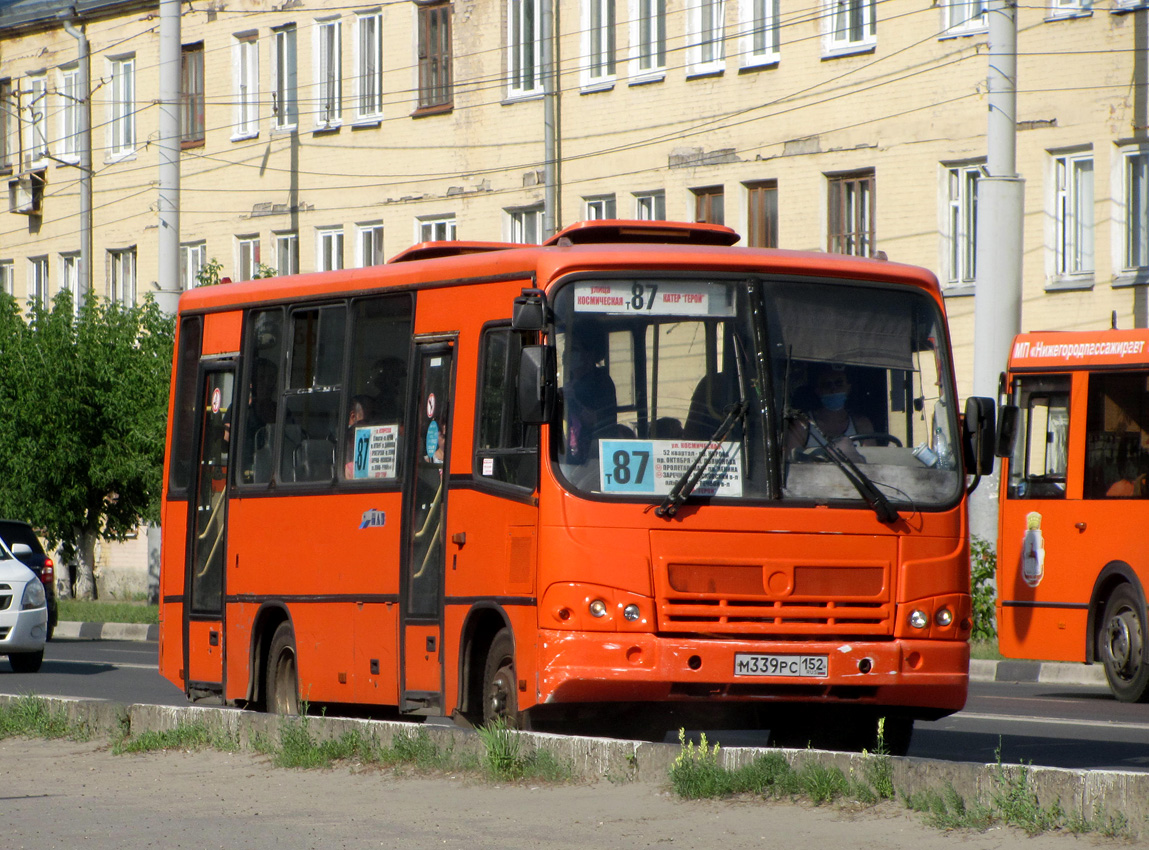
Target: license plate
(809, 666)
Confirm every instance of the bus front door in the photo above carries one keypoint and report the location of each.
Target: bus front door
(207, 536)
(424, 532)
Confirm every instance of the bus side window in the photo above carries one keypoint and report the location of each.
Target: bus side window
(263, 353)
(506, 450)
(1041, 456)
(313, 393)
(1117, 436)
(374, 415)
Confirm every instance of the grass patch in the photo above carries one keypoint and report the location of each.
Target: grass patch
(31, 716)
(186, 736)
(506, 759)
(89, 611)
(984, 649)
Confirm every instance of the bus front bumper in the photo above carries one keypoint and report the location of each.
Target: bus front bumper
(610, 667)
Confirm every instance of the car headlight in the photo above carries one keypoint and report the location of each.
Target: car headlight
(34, 595)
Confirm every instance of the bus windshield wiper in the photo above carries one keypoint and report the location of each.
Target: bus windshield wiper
(865, 486)
(686, 483)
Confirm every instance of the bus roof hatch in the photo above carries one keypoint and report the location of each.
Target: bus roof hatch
(661, 232)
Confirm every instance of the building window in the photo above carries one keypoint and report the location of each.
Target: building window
(762, 214)
(759, 25)
(247, 257)
(369, 66)
(7, 123)
(598, 41)
(328, 73)
(121, 107)
(191, 95)
(435, 55)
(648, 37)
(525, 225)
(68, 96)
(598, 208)
(122, 277)
(369, 244)
(961, 223)
(524, 48)
(70, 277)
(437, 229)
(287, 253)
(38, 280)
(709, 205)
(850, 27)
(329, 249)
(245, 61)
(650, 206)
(965, 16)
(1136, 189)
(1073, 213)
(36, 119)
(284, 108)
(1069, 8)
(705, 39)
(193, 256)
(8, 277)
(850, 200)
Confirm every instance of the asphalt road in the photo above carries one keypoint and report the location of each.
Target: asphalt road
(1056, 725)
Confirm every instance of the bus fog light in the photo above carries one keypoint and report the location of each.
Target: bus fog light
(631, 612)
(944, 617)
(598, 608)
(918, 619)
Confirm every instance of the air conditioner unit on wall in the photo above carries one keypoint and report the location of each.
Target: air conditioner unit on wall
(26, 193)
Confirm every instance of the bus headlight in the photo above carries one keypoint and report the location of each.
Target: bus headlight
(944, 617)
(598, 608)
(631, 612)
(918, 619)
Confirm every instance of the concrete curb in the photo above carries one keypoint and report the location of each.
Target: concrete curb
(106, 631)
(1111, 793)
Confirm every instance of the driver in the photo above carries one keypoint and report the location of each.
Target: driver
(831, 421)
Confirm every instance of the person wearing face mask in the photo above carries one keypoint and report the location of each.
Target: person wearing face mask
(831, 421)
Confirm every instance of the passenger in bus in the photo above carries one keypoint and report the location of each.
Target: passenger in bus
(589, 395)
(832, 421)
(357, 414)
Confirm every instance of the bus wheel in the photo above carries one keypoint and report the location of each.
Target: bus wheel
(1123, 647)
(500, 694)
(282, 676)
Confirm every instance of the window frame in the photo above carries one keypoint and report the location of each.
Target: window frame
(193, 126)
(761, 222)
(68, 123)
(328, 61)
(329, 249)
(759, 33)
(599, 44)
(70, 277)
(193, 257)
(705, 37)
(523, 50)
(706, 210)
(863, 230)
(247, 256)
(647, 40)
(645, 202)
(36, 146)
(1070, 9)
(8, 276)
(599, 207)
(245, 78)
(1074, 217)
(39, 280)
(286, 246)
(435, 86)
(285, 78)
(369, 244)
(849, 27)
(485, 459)
(121, 108)
(122, 275)
(368, 79)
(521, 221)
(426, 228)
(970, 23)
(959, 222)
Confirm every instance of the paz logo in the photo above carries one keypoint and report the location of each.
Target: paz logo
(1033, 551)
(373, 519)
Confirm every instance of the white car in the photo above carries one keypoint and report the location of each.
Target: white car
(23, 614)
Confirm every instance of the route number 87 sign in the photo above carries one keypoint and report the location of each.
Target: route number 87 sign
(653, 467)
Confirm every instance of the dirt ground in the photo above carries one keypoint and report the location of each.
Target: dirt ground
(62, 794)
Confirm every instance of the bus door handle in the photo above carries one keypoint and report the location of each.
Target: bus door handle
(459, 538)
(1080, 526)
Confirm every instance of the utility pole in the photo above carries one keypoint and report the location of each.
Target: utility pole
(84, 131)
(550, 122)
(168, 272)
(1000, 211)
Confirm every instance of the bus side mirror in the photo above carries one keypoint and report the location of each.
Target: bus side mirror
(530, 311)
(537, 375)
(1007, 420)
(978, 429)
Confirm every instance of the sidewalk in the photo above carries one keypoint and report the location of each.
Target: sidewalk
(1041, 672)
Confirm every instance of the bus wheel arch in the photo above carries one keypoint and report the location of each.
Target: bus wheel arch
(484, 621)
(267, 620)
(500, 694)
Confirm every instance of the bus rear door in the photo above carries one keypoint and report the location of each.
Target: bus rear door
(424, 531)
(207, 533)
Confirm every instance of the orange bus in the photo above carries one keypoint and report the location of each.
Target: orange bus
(577, 480)
(1072, 569)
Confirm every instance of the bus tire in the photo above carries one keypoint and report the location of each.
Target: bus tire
(1123, 646)
(282, 673)
(500, 691)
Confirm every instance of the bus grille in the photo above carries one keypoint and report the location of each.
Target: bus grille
(787, 617)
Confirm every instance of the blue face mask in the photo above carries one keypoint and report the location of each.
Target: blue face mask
(834, 401)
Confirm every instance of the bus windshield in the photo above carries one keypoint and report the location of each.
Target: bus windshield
(754, 389)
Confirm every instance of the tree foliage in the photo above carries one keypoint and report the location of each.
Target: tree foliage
(83, 407)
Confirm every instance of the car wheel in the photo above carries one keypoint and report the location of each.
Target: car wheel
(26, 662)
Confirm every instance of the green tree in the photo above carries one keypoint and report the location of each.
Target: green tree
(84, 401)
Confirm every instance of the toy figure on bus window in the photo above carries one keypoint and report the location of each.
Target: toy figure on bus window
(589, 396)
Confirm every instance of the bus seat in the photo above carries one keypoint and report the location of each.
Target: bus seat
(708, 405)
(314, 460)
(666, 428)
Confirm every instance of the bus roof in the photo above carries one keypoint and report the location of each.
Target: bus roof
(586, 246)
(1059, 350)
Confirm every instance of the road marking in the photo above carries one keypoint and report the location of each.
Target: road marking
(155, 666)
(1048, 721)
